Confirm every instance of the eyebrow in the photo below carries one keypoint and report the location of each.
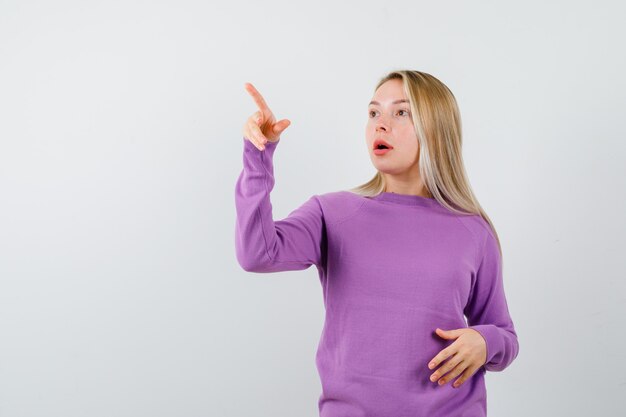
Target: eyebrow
(395, 102)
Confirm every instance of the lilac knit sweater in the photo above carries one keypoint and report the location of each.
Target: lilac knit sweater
(392, 268)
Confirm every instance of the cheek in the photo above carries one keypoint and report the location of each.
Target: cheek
(408, 138)
(409, 148)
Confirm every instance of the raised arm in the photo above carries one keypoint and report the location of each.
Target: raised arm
(265, 245)
(487, 311)
(262, 244)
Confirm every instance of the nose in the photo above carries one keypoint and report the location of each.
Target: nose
(381, 127)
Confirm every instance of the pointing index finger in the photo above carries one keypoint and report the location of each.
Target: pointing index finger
(258, 99)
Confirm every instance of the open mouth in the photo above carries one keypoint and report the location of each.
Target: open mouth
(380, 144)
(381, 147)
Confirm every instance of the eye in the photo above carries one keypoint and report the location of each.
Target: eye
(402, 110)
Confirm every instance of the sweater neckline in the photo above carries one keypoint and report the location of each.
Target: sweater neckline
(406, 199)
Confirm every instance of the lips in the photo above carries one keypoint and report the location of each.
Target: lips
(379, 143)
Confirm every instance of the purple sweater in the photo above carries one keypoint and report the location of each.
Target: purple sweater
(392, 268)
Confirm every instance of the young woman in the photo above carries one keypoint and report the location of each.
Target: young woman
(401, 259)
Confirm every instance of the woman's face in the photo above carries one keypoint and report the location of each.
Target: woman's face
(389, 119)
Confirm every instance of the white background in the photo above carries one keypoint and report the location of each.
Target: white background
(120, 145)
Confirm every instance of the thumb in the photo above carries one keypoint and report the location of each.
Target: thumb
(448, 334)
(280, 126)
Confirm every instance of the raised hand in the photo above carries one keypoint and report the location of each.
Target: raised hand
(262, 127)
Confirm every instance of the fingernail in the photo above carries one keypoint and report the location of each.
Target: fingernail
(430, 365)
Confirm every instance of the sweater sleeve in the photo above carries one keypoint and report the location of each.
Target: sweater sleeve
(487, 311)
(265, 245)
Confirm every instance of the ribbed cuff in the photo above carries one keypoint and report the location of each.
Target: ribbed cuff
(269, 146)
(492, 337)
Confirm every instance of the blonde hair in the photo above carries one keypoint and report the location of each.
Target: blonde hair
(437, 122)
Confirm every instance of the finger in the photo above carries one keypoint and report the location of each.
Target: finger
(446, 367)
(441, 356)
(280, 126)
(253, 132)
(250, 135)
(466, 375)
(458, 369)
(258, 99)
(449, 334)
(256, 131)
(254, 141)
(258, 117)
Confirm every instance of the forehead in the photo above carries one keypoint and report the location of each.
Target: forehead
(399, 101)
(390, 92)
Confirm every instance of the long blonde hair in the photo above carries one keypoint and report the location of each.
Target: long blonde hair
(437, 122)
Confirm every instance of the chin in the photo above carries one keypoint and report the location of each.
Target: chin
(386, 168)
(389, 167)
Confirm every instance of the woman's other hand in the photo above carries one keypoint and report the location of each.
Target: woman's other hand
(262, 127)
(466, 355)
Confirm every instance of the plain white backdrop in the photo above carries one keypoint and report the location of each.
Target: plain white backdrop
(120, 146)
